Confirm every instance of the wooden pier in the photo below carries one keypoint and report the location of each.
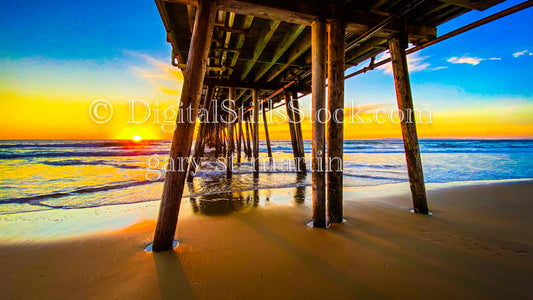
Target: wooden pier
(261, 53)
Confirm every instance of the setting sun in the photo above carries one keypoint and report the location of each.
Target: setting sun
(136, 138)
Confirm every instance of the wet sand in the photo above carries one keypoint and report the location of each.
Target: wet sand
(477, 244)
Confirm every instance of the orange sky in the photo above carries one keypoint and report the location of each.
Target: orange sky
(48, 112)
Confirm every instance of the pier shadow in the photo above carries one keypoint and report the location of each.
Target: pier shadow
(336, 276)
(173, 282)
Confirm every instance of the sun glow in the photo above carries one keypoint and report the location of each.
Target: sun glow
(136, 138)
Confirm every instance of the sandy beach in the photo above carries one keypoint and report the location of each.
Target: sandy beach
(477, 244)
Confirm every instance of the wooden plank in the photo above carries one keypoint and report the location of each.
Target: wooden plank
(335, 137)
(246, 24)
(303, 12)
(183, 134)
(266, 34)
(171, 36)
(231, 20)
(227, 83)
(191, 13)
(267, 137)
(318, 118)
(294, 53)
(363, 48)
(283, 45)
(474, 4)
(397, 45)
(255, 135)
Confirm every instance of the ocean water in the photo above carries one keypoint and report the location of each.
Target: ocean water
(46, 175)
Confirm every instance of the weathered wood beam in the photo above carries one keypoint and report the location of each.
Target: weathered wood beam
(255, 134)
(231, 30)
(227, 83)
(171, 37)
(318, 118)
(474, 4)
(191, 13)
(239, 95)
(301, 12)
(364, 47)
(246, 24)
(231, 20)
(416, 32)
(283, 45)
(397, 45)
(335, 137)
(294, 53)
(183, 134)
(213, 68)
(266, 34)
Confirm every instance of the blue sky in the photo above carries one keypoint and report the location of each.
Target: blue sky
(83, 50)
(503, 77)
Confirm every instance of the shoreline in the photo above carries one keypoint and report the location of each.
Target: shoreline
(63, 223)
(478, 243)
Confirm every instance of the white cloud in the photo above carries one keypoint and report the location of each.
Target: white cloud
(469, 60)
(523, 52)
(465, 60)
(160, 74)
(415, 63)
(439, 68)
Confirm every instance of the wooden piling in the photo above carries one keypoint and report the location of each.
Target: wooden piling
(199, 144)
(248, 145)
(269, 150)
(223, 139)
(240, 144)
(230, 120)
(335, 125)
(318, 118)
(300, 164)
(292, 131)
(397, 45)
(217, 138)
(255, 135)
(183, 134)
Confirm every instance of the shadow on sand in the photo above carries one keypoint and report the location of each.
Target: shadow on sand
(173, 282)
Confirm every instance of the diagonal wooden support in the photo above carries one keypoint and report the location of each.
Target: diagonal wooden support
(267, 137)
(302, 169)
(181, 142)
(290, 121)
(397, 45)
(200, 138)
